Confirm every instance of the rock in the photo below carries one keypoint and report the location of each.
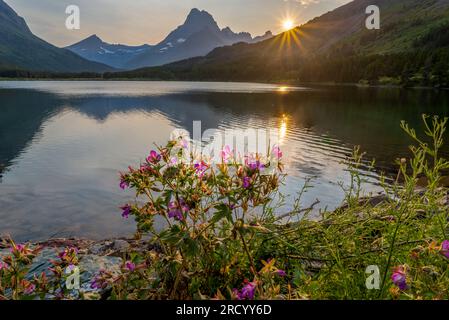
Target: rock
(115, 247)
(100, 248)
(42, 262)
(371, 201)
(423, 182)
(89, 265)
(82, 245)
(120, 245)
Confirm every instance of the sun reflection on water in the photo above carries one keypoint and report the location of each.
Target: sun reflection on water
(283, 129)
(283, 89)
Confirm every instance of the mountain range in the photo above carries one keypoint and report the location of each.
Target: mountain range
(412, 45)
(410, 48)
(197, 36)
(115, 55)
(21, 49)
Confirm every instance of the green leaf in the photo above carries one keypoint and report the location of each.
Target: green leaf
(172, 235)
(191, 246)
(223, 212)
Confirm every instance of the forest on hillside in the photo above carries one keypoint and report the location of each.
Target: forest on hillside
(424, 63)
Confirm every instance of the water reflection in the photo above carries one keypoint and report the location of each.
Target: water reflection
(61, 144)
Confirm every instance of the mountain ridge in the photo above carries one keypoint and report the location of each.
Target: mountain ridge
(21, 49)
(335, 47)
(95, 49)
(199, 28)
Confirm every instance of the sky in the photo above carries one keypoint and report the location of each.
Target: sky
(135, 22)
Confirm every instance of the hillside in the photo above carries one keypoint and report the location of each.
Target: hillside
(412, 45)
(21, 49)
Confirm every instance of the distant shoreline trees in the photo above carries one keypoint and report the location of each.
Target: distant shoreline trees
(427, 67)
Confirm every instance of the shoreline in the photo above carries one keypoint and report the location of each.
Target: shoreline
(119, 242)
(115, 246)
(285, 83)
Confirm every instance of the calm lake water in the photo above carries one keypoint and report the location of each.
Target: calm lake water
(63, 143)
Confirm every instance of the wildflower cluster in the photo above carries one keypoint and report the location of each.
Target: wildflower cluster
(210, 212)
(223, 238)
(13, 271)
(17, 283)
(217, 231)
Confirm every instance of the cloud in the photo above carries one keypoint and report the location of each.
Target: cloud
(308, 2)
(305, 3)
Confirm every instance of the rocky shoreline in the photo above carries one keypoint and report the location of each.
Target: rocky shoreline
(110, 247)
(93, 256)
(110, 254)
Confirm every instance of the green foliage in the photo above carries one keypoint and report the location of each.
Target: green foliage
(13, 270)
(17, 283)
(326, 259)
(405, 230)
(224, 237)
(411, 47)
(436, 37)
(420, 67)
(214, 216)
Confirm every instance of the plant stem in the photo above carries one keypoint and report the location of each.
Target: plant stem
(251, 261)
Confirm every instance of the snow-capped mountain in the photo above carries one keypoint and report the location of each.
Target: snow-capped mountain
(115, 55)
(197, 36)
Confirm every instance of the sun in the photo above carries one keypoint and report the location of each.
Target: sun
(288, 24)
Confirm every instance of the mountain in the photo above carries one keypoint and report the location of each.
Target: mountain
(21, 49)
(411, 47)
(197, 36)
(266, 36)
(115, 55)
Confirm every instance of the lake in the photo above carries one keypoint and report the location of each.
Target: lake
(62, 144)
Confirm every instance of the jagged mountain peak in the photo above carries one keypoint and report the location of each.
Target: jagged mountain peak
(198, 20)
(92, 40)
(197, 16)
(268, 34)
(94, 37)
(331, 46)
(197, 36)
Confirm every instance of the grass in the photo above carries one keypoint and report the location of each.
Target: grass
(225, 240)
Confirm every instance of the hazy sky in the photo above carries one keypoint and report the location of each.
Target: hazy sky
(136, 22)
